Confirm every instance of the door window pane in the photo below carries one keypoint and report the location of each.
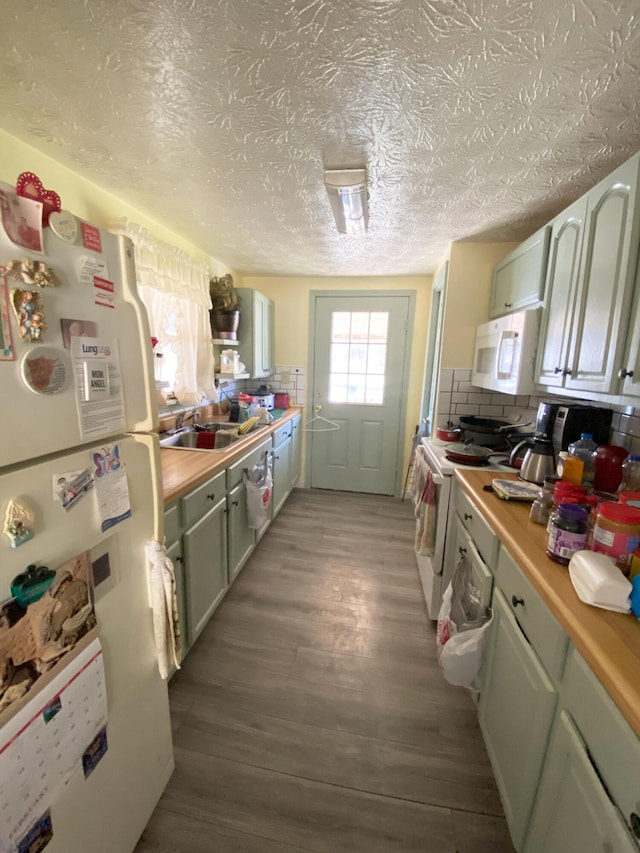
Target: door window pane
(358, 355)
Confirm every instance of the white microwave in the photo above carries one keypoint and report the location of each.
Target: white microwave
(505, 353)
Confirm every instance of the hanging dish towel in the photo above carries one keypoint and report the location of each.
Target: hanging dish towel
(426, 541)
(166, 623)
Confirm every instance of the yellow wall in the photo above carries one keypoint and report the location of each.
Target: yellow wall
(467, 297)
(84, 198)
(291, 295)
(291, 298)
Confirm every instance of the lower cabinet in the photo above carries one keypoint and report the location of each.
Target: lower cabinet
(207, 531)
(241, 538)
(205, 551)
(573, 810)
(281, 466)
(566, 762)
(296, 450)
(516, 710)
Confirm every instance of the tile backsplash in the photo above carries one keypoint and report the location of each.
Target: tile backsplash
(457, 396)
(286, 378)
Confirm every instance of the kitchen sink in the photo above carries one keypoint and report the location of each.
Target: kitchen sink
(187, 438)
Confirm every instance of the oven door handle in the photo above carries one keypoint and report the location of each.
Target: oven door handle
(437, 479)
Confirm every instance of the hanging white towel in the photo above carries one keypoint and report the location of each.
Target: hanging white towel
(166, 622)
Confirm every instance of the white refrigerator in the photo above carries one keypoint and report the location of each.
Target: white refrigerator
(79, 475)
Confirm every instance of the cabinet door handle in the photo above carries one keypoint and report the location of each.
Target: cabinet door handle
(557, 370)
(566, 371)
(508, 304)
(623, 373)
(275, 457)
(211, 496)
(235, 503)
(180, 559)
(462, 550)
(467, 516)
(516, 601)
(634, 820)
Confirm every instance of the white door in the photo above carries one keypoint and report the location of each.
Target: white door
(360, 367)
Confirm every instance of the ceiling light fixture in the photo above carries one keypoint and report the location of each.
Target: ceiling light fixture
(347, 190)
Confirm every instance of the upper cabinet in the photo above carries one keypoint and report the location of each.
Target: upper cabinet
(256, 333)
(518, 280)
(589, 288)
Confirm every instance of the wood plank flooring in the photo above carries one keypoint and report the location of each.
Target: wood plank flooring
(311, 714)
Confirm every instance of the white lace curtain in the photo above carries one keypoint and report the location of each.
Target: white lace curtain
(175, 291)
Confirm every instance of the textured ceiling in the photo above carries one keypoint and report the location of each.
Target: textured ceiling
(475, 118)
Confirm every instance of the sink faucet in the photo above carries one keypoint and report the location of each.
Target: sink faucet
(181, 417)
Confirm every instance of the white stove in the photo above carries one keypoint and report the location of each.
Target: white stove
(431, 560)
(436, 456)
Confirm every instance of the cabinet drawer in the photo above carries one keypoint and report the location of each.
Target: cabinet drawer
(536, 620)
(481, 577)
(254, 457)
(483, 536)
(613, 745)
(201, 499)
(282, 433)
(171, 524)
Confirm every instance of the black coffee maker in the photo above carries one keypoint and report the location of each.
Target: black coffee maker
(539, 458)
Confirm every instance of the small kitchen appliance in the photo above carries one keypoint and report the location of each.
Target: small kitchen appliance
(539, 457)
(572, 419)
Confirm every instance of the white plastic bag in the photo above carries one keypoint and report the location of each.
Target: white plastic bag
(460, 650)
(259, 483)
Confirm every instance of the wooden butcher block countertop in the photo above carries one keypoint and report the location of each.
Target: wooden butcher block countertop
(609, 642)
(184, 469)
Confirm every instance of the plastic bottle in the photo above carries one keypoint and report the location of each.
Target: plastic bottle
(585, 449)
(630, 474)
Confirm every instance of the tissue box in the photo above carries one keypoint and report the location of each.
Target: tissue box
(598, 581)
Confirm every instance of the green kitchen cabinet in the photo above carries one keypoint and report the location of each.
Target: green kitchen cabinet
(241, 537)
(296, 450)
(573, 810)
(205, 551)
(518, 279)
(256, 333)
(282, 465)
(515, 712)
(590, 282)
(563, 267)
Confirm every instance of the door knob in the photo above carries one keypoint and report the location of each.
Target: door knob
(623, 373)
(566, 371)
(516, 601)
(557, 370)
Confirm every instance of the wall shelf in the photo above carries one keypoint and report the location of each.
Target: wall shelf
(232, 376)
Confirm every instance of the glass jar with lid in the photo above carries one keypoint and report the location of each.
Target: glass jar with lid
(567, 532)
(617, 532)
(541, 507)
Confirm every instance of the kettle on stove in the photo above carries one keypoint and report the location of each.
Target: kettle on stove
(539, 459)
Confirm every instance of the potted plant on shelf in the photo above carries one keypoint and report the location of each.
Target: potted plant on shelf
(225, 311)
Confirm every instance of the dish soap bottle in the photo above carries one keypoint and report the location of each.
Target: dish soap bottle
(585, 449)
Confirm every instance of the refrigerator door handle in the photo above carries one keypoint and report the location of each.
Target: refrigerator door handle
(130, 294)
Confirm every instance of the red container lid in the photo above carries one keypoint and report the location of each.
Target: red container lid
(619, 512)
(629, 497)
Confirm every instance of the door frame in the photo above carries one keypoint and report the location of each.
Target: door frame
(314, 295)
(434, 351)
